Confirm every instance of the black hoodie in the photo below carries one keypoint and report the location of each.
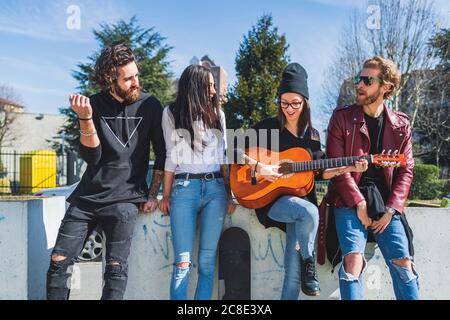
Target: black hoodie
(117, 168)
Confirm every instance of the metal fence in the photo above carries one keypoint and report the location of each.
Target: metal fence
(28, 172)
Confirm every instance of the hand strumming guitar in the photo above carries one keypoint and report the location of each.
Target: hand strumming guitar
(268, 172)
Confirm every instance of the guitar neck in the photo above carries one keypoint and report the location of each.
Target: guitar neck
(322, 164)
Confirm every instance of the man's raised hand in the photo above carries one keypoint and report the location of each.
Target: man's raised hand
(81, 106)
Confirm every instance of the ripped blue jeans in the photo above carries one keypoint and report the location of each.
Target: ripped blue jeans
(393, 244)
(117, 221)
(189, 199)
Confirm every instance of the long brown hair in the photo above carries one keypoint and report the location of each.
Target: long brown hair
(193, 101)
(304, 122)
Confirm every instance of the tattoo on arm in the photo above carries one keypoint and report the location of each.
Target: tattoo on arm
(156, 183)
(225, 169)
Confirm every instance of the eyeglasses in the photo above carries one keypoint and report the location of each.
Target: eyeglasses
(368, 81)
(294, 105)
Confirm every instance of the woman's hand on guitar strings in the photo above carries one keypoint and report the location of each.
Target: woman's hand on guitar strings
(268, 172)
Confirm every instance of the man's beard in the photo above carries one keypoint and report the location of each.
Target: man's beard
(129, 96)
(364, 101)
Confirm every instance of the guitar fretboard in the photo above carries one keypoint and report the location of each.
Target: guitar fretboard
(322, 164)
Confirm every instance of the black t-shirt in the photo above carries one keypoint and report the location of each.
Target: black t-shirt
(374, 174)
(287, 141)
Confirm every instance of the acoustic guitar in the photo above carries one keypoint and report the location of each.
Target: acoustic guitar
(298, 171)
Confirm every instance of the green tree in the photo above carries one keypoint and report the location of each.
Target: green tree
(260, 62)
(441, 45)
(151, 54)
(425, 185)
(432, 126)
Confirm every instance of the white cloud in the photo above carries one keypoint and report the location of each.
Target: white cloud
(443, 9)
(339, 3)
(27, 67)
(441, 6)
(48, 20)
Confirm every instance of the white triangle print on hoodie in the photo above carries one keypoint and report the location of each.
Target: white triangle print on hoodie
(122, 135)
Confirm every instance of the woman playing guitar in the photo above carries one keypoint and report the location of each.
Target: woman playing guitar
(297, 216)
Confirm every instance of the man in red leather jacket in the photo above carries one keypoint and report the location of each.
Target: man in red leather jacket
(369, 127)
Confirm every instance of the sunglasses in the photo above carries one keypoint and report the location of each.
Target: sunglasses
(368, 81)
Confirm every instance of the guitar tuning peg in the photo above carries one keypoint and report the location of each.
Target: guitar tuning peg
(384, 150)
(389, 152)
(396, 151)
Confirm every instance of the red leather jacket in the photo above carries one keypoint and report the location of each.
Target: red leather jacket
(348, 136)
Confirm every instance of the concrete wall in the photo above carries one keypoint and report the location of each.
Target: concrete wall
(28, 231)
(151, 258)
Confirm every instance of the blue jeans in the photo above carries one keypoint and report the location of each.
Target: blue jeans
(393, 244)
(190, 198)
(302, 220)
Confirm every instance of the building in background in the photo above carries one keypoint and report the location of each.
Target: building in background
(24, 165)
(30, 131)
(10, 106)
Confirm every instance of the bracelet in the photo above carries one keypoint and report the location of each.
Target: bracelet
(84, 119)
(87, 134)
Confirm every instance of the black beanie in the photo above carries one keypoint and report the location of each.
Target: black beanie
(294, 79)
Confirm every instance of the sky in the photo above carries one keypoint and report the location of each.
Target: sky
(39, 47)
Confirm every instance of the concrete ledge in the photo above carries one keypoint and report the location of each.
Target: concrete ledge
(151, 258)
(28, 230)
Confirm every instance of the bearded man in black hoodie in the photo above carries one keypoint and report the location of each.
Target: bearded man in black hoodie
(116, 128)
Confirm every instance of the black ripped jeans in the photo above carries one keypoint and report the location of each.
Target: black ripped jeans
(117, 221)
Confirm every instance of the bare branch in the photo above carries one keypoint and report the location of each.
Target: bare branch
(7, 116)
(406, 27)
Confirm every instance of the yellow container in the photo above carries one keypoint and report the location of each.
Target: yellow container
(37, 170)
(5, 185)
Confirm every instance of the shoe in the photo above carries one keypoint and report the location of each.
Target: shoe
(310, 283)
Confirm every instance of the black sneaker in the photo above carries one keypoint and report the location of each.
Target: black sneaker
(310, 283)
